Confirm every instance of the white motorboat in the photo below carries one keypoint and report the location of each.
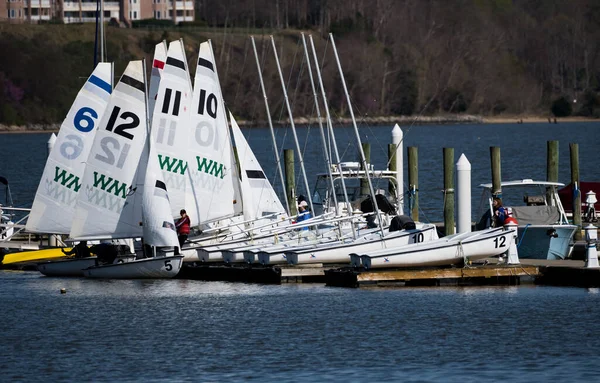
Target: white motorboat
(544, 231)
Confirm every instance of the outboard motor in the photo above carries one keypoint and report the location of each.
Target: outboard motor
(402, 222)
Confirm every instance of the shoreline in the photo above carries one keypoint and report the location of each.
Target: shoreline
(387, 120)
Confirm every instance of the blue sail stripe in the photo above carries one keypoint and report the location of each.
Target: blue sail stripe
(100, 83)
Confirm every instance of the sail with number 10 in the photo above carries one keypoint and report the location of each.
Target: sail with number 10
(210, 153)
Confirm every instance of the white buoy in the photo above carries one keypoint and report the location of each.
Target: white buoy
(513, 254)
(591, 238)
(50, 143)
(463, 194)
(397, 138)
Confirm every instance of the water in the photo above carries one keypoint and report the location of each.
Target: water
(180, 330)
(523, 150)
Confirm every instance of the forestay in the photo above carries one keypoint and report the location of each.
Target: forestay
(211, 164)
(54, 204)
(171, 132)
(108, 207)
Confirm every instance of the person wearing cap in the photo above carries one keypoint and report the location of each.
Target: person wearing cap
(183, 227)
(303, 213)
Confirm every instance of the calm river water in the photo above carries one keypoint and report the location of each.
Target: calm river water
(180, 330)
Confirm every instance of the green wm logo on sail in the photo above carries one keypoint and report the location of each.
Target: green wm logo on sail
(210, 167)
(107, 192)
(70, 182)
(172, 165)
(110, 185)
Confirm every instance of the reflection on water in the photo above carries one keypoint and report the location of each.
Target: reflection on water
(182, 330)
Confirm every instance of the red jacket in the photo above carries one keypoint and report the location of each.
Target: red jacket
(183, 225)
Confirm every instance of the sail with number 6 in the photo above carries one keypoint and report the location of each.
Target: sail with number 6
(109, 204)
(54, 204)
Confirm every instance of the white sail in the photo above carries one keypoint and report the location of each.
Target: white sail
(54, 204)
(259, 197)
(158, 225)
(108, 207)
(210, 145)
(171, 132)
(158, 64)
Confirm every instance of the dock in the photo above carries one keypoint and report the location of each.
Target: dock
(487, 272)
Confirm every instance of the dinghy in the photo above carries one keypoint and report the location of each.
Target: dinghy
(126, 196)
(449, 250)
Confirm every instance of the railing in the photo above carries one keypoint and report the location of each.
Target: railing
(182, 4)
(88, 6)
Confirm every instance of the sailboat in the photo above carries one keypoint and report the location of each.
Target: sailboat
(54, 204)
(123, 192)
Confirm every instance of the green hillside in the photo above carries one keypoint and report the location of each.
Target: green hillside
(482, 57)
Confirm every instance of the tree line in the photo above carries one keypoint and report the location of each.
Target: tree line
(400, 57)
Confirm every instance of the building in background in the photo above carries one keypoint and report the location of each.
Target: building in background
(84, 11)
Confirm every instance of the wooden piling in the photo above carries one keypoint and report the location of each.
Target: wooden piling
(449, 191)
(413, 182)
(290, 184)
(574, 151)
(551, 165)
(496, 171)
(364, 183)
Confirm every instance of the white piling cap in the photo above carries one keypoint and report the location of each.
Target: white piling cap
(463, 163)
(397, 134)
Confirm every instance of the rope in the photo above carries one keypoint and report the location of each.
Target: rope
(523, 235)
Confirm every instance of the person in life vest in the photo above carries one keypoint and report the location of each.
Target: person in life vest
(502, 215)
(183, 227)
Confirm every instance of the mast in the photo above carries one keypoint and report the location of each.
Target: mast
(102, 42)
(330, 128)
(287, 103)
(262, 86)
(324, 141)
(360, 149)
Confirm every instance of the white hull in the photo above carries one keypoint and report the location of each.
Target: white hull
(445, 251)
(66, 267)
(156, 267)
(340, 253)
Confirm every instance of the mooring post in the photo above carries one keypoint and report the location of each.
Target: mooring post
(513, 254)
(496, 172)
(364, 183)
(290, 184)
(551, 166)
(591, 238)
(448, 191)
(397, 164)
(574, 150)
(413, 182)
(50, 143)
(463, 195)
